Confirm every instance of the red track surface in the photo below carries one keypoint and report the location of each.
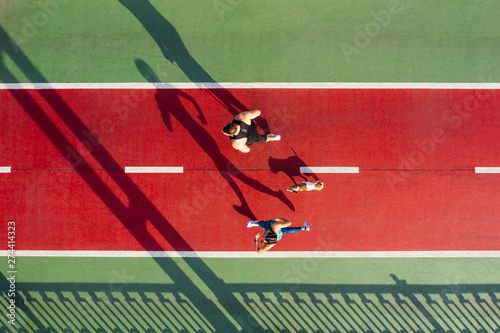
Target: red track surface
(439, 205)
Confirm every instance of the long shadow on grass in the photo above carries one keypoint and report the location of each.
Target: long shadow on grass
(140, 210)
(174, 50)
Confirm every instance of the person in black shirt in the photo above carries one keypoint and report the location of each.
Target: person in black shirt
(243, 131)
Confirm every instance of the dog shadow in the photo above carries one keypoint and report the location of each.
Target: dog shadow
(291, 167)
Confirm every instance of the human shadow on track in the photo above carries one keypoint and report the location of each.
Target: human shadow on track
(169, 104)
(134, 212)
(290, 166)
(174, 50)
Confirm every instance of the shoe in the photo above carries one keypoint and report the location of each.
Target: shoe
(306, 226)
(276, 137)
(252, 224)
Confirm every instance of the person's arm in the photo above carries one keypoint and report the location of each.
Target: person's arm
(248, 115)
(257, 235)
(239, 145)
(196, 105)
(263, 249)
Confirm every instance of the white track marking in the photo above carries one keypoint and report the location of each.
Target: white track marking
(5, 170)
(251, 85)
(329, 169)
(487, 169)
(154, 169)
(252, 254)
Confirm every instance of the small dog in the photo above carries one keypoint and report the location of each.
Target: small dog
(306, 186)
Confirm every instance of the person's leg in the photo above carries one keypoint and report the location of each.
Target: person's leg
(262, 224)
(271, 137)
(252, 224)
(291, 230)
(261, 138)
(264, 138)
(276, 227)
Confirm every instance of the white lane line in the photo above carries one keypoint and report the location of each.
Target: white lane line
(251, 85)
(252, 254)
(487, 169)
(5, 170)
(329, 169)
(131, 169)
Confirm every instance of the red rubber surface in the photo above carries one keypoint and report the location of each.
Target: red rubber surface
(440, 135)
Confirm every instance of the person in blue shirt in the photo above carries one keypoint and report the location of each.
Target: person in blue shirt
(273, 231)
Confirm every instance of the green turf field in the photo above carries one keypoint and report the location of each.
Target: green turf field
(257, 295)
(259, 41)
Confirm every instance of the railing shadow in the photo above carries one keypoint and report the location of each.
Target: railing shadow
(276, 307)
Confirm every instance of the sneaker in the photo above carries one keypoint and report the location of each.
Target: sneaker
(306, 226)
(252, 224)
(276, 137)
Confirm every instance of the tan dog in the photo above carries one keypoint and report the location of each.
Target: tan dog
(306, 186)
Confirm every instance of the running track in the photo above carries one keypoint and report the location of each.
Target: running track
(410, 194)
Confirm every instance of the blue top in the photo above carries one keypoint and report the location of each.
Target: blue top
(266, 225)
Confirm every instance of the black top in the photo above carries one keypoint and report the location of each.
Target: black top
(246, 131)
